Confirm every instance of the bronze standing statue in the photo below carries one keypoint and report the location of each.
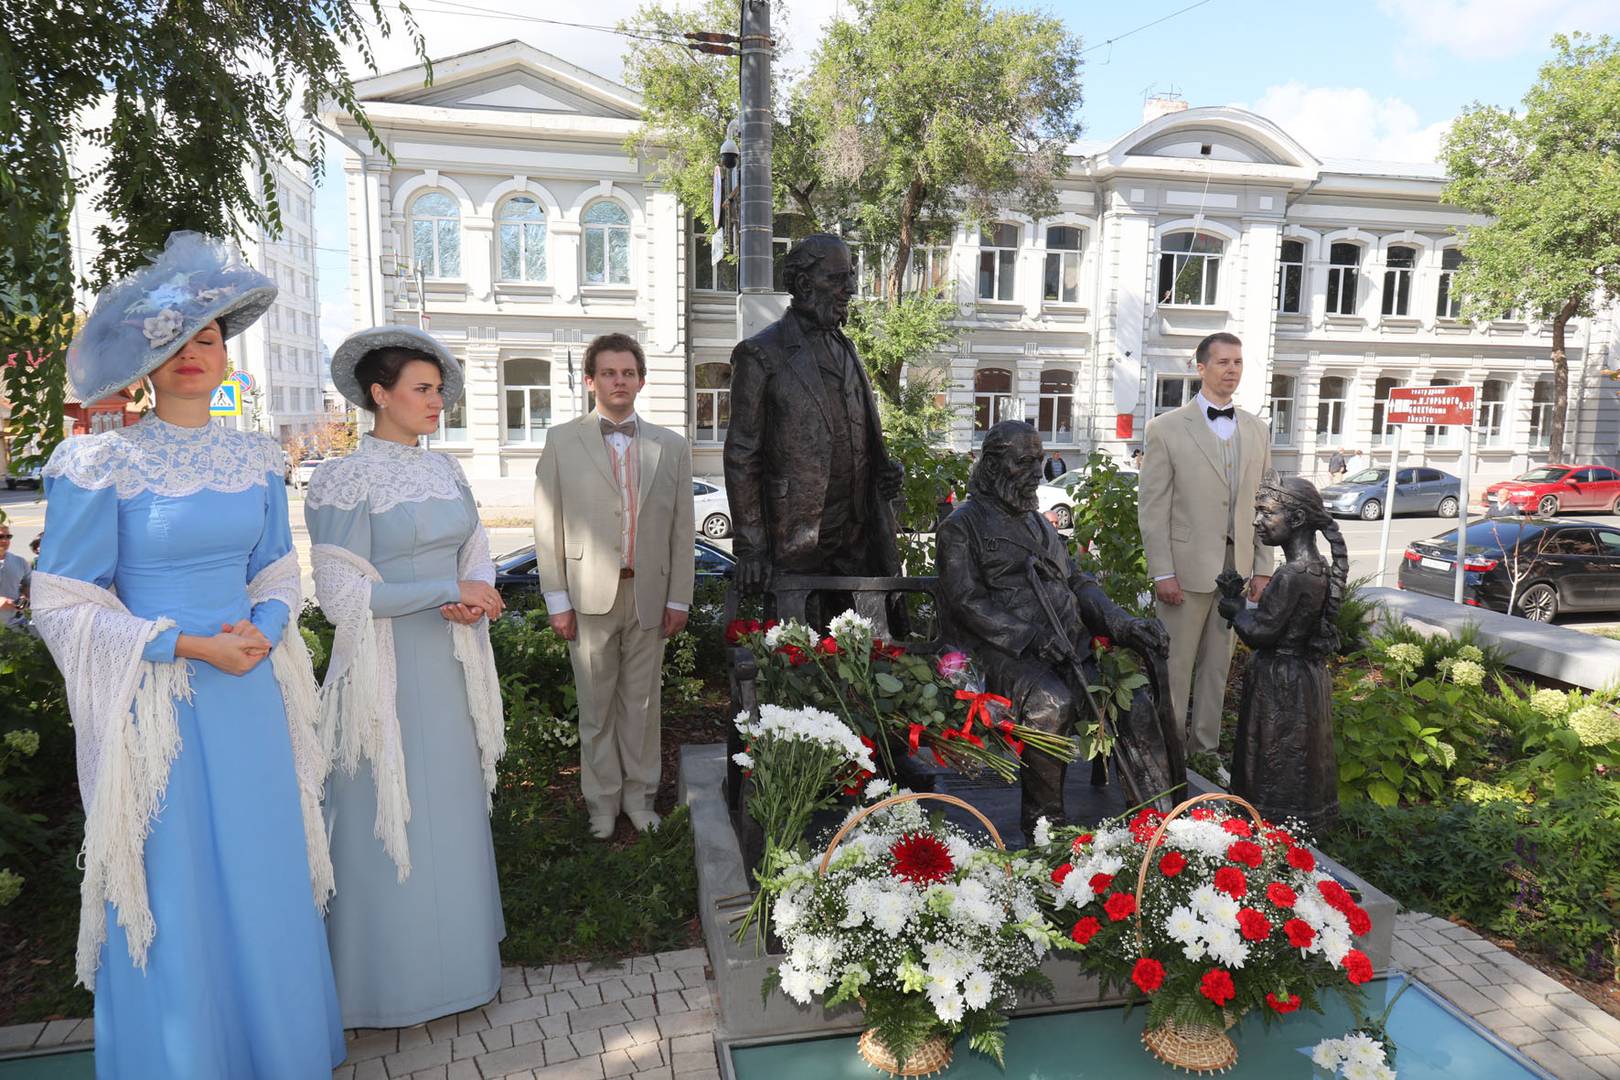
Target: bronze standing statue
(1013, 599)
(1284, 761)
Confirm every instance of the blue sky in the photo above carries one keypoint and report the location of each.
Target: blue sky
(1372, 79)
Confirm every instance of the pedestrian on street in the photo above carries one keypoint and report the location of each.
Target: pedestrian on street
(14, 574)
(613, 539)
(1055, 467)
(402, 569)
(1196, 514)
(1337, 466)
(1136, 459)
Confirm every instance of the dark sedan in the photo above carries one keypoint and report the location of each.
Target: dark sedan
(1560, 564)
(515, 574)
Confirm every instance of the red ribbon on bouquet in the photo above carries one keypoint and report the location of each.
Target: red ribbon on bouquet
(979, 708)
(914, 736)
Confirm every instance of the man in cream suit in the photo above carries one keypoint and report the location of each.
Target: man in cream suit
(1203, 465)
(613, 540)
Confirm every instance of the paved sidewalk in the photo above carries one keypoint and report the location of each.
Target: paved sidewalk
(652, 1016)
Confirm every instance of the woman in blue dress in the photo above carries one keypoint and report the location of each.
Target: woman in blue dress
(167, 592)
(402, 568)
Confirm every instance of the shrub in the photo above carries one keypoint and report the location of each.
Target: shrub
(1568, 738)
(1107, 542)
(1355, 618)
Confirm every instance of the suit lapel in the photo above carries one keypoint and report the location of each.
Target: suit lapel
(595, 447)
(649, 452)
(1204, 437)
(803, 366)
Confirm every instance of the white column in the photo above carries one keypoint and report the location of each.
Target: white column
(484, 409)
(1252, 310)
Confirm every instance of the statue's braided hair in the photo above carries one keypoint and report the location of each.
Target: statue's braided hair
(1297, 493)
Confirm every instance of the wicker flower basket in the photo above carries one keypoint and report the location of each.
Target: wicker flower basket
(934, 1055)
(1197, 1048)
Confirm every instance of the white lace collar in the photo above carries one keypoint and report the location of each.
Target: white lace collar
(167, 459)
(385, 474)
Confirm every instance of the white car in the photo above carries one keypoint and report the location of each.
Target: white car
(305, 470)
(710, 509)
(1056, 497)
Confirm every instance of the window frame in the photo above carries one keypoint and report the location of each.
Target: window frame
(995, 403)
(1062, 259)
(1383, 433)
(1441, 436)
(1447, 304)
(1177, 263)
(1344, 279)
(1492, 418)
(434, 271)
(1191, 385)
(1297, 267)
(526, 428)
(1059, 416)
(1283, 405)
(716, 395)
(607, 229)
(522, 225)
(1003, 266)
(1330, 424)
(1541, 413)
(1396, 301)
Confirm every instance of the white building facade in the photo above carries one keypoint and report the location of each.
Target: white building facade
(513, 223)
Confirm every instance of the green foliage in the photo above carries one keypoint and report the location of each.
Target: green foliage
(1107, 541)
(1548, 182)
(1546, 874)
(1356, 615)
(36, 755)
(180, 103)
(1567, 739)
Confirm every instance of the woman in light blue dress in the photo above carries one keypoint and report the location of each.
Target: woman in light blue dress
(402, 568)
(166, 592)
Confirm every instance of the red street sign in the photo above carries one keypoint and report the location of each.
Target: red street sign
(1432, 405)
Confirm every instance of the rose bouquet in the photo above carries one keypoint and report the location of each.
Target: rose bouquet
(1207, 916)
(796, 762)
(896, 698)
(932, 933)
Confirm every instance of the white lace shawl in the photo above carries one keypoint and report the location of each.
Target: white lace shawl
(127, 734)
(359, 717)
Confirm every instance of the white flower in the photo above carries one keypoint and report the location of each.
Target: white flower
(1471, 653)
(890, 912)
(1328, 1053)
(851, 625)
(948, 1004)
(977, 988)
(1549, 703)
(1043, 832)
(743, 760)
(208, 296)
(1182, 925)
(795, 981)
(1595, 725)
(877, 788)
(1467, 673)
(163, 327)
(1362, 1049)
(773, 636)
(1405, 655)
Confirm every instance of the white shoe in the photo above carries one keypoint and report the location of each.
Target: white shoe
(644, 820)
(602, 826)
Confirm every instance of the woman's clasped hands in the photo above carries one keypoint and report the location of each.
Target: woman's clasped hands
(478, 600)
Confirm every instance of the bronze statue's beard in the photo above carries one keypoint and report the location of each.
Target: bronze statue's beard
(1010, 490)
(822, 309)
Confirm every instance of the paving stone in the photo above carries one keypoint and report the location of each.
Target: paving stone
(1556, 1060)
(643, 1031)
(464, 1047)
(647, 1055)
(553, 1027)
(616, 1037)
(533, 975)
(1495, 1019)
(683, 958)
(1595, 1018)
(588, 1042)
(701, 1020)
(1465, 997)
(600, 1016)
(462, 1070)
(436, 1073)
(638, 984)
(513, 1011)
(1501, 997)
(613, 989)
(560, 1050)
(513, 992)
(617, 1063)
(1518, 1035)
(697, 999)
(506, 1062)
(587, 995)
(412, 1037)
(1481, 947)
(526, 1032)
(584, 1069)
(1531, 978)
(1605, 1065)
(370, 1070)
(560, 1001)
(596, 973)
(418, 1058)
(343, 1072)
(666, 980)
(641, 1007)
(692, 1063)
(1582, 1042)
(443, 1029)
(693, 978)
(473, 1021)
(648, 964)
(498, 1038)
(661, 1073)
(670, 1001)
(57, 1032)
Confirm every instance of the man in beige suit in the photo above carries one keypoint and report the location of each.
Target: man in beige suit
(613, 540)
(1203, 464)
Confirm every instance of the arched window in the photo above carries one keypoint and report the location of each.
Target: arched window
(711, 383)
(1381, 430)
(1344, 262)
(1189, 268)
(1541, 413)
(528, 399)
(436, 235)
(992, 399)
(1057, 406)
(1492, 412)
(998, 261)
(1330, 399)
(523, 239)
(607, 244)
(1064, 244)
(1448, 304)
(1291, 278)
(1399, 262)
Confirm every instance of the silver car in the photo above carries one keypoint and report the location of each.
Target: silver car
(1418, 490)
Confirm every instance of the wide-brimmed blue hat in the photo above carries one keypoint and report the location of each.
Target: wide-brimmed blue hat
(144, 318)
(358, 344)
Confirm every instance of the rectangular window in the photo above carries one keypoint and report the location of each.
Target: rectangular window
(1189, 269)
(1541, 413)
(1056, 411)
(998, 261)
(1492, 411)
(1330, 407)
(1291, 278)
(1437, 436)
(1448, 304)
(527, 399)
(1399, 262)
(1382, 433)
(1174, 391)
(1062, 283)
(707, 275)
(1343, 266)
(927, 269)
(452, 425)
(1282, 410)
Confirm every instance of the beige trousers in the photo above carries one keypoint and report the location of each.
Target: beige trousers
(618, 669)
(1201, 645)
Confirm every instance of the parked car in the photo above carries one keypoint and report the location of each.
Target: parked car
(516, 573)
(1562, 564)
(29, 478)
(1056, 497)
(1555, 489)
(304, 471)
(710, 509)
(1418, 490)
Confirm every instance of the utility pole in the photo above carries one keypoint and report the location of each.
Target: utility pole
(754, 264)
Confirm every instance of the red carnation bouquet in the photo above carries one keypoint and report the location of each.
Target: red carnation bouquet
(1233, 913)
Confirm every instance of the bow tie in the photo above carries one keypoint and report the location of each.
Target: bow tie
(627, 429)
(1230, 412)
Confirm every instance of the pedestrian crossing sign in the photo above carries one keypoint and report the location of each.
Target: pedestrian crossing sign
(227, 399)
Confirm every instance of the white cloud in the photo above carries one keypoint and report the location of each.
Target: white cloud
(1493, 29)
(1350, 122)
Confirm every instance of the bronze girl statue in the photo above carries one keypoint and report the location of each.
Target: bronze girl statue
(1284, 761)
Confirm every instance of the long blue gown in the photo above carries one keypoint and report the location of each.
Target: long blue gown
(238, 981)
(406, 952)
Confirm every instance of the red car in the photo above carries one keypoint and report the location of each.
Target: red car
(1558, 489)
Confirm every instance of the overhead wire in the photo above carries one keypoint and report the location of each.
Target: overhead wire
(1139, 29)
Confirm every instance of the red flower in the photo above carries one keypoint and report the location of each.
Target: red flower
(1357, 968)
(1079, 842)
(1238, 827)
(1201, 813)
(1246, 852)
(1360, 922)
(1148, 975)
(1283, 1005)
(1281, 894)
(1062, 872)
(1100, 882)
(1277, 836)
(1217, 986)
(1301, 859)
(1120, 906)
(1099, 643)
(827, 646)
(921, 859)
(1255, 926)
(1172, 864)
(735, 629)
(796, 656)
(882, 650)
(1230, 880)
(771, 624)
(1335, 895)
(1085, 929)
(1300, 934)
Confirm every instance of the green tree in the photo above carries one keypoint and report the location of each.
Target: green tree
(929, 111)
(1549, 180)
(181, 100)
